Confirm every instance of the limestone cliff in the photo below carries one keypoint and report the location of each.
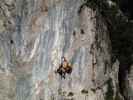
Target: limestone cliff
(36, 34)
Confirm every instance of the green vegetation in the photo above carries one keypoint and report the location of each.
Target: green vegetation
(109, 94)
(117, 97)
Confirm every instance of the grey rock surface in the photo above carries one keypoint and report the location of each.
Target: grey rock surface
(36, 34)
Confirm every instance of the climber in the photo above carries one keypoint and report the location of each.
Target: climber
(65, 67)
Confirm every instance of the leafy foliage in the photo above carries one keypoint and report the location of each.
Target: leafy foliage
(110, 92)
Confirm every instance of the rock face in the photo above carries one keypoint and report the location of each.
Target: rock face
(36, 34)
(7, 87)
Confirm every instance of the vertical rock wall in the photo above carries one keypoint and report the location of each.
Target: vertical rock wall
(38, 34)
